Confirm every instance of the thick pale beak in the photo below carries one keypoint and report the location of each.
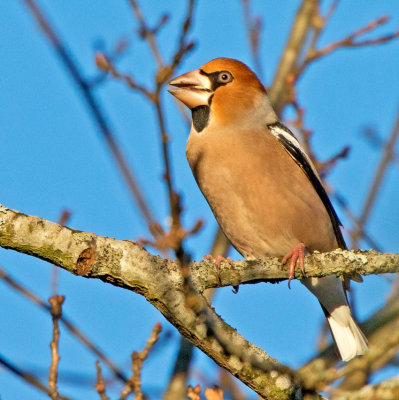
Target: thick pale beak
(193, 89)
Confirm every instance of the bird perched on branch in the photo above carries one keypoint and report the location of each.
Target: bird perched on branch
(260, 184)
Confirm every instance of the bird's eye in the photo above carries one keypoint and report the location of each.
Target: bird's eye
(225, 77)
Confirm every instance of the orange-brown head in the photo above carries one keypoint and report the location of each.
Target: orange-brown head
(228, 87)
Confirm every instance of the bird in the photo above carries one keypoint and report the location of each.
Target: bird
(260, 184)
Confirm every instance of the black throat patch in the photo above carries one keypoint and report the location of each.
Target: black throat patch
(200, 117)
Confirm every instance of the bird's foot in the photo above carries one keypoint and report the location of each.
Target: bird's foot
(218, 260)
(298, 252)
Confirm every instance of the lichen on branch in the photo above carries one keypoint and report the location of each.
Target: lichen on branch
(162, 282)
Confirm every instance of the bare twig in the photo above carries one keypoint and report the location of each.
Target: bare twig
(118, 50)
(349, 41)
(388, 389)
(294, 47)
(68, 324)
(229, 386)
(29, 378)
(320, 22)
(162, 77)
(94, 107)
(378, 355)
(172, 239)
(376, 183)
(214, 394)
(343, 204)
(146, 33)
(325, 167)
(380, 328)
(182, 46)
(134, 382)
(253, 25)
(178, 379)
(100, 385)
(105, 64)
(376, 141)
(194, 393)
(56, 311)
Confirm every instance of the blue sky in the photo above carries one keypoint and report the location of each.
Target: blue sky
(52, 157)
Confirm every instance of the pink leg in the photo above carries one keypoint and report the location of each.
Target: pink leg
(298, 252)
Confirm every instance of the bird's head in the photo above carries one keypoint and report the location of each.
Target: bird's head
(230, 90)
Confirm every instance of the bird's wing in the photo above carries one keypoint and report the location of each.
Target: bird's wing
(294, 149)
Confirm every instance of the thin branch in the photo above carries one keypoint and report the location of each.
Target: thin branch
(178, 380)
(294, 47)
(386, 159)
(194, 393)
(230, 386)
(146, 33)
(162, 76)
(29, 378)
(378, 328)
(378, 354)
(174, 238)
(66, 321)
(349, 42)
(253, 26)
(133, 385)
(320, 22)
(94, 107)
(182, 46)
(213, 393)
(343, 204)
(115, 54)
(105, 64)
(56, 312)
(100, 385)
(388, 389)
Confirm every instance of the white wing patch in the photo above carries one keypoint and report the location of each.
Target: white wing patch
(279, 129)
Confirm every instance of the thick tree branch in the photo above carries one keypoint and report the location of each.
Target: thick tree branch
(127, 264)
(388, 389)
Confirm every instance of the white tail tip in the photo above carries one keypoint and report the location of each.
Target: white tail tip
(349, 339)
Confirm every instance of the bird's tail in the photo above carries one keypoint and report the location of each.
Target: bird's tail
(348, 337)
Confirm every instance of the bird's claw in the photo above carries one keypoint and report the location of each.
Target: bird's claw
(218, 260)
(298, 252)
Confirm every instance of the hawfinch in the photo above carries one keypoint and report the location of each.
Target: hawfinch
(260, 184)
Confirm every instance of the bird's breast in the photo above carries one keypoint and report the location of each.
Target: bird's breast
(261, 199)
